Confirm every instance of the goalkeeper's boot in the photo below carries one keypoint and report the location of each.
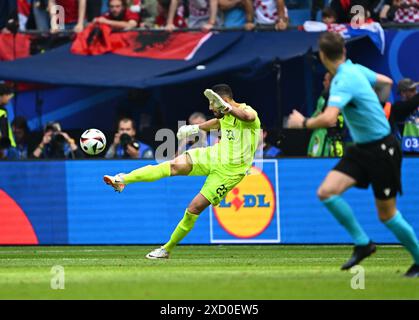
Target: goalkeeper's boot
(413, 271)
(359, 254)
(160, 253)
(116, 182)
(216, 101)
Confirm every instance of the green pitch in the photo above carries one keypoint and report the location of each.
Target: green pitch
(203, 272)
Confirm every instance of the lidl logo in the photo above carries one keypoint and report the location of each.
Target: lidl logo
(248, 209)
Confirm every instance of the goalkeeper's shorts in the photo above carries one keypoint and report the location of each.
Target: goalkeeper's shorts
(220, 177)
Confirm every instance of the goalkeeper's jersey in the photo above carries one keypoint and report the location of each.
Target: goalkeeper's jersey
(238, 143)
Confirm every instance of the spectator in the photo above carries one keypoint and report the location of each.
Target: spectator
(408, 104)
(271, 12)
(202, 14)
(163, 7)
(326, 142)
(148, 11)
(387, 11)
(328, 16)
(407, 89)
(75, 13)
(39, 13)
(23, 11)
(119, 16)
(6, 134)
(125, 144)
(403, 115)
(21, 133)
(56, 144)
(237, 13)
(376, 7)
(407, 11)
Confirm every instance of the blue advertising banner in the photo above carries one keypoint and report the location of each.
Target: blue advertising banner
(33, 203)
(143, 213)
(305, 220)
(66, 202)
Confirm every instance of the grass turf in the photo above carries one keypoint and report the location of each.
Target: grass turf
(203, 272)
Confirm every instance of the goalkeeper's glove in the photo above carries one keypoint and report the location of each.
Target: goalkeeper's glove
(217, 102)
(187, 130)
(224, 107)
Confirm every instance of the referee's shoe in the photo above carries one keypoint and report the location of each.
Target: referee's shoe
(359, 254)
(413, 272)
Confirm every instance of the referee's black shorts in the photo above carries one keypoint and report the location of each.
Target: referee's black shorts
(377, 163)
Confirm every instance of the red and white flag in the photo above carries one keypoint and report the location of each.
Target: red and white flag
(99, 39)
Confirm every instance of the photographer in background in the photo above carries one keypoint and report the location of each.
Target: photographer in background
(326, 142)
(403, 115)
(56, 144)
(125, 145)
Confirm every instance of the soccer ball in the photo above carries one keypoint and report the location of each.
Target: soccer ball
(93, 141)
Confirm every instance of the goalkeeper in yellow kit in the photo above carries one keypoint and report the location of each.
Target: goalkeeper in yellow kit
(225, 164)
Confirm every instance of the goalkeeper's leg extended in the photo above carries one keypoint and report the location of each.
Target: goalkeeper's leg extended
(198, 204)
(181, 165)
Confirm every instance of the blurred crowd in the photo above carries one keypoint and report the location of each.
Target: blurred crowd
(202, 14)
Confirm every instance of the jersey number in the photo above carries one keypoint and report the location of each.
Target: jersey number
(221, 190)
(230, 134)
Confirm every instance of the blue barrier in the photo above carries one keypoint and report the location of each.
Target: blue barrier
(66, 202)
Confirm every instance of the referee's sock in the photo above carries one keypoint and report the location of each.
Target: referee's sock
(182, 229)
(405, 233)
(343, 213)
(148, 173)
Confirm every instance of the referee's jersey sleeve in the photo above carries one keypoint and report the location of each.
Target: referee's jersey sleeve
(340, 93)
